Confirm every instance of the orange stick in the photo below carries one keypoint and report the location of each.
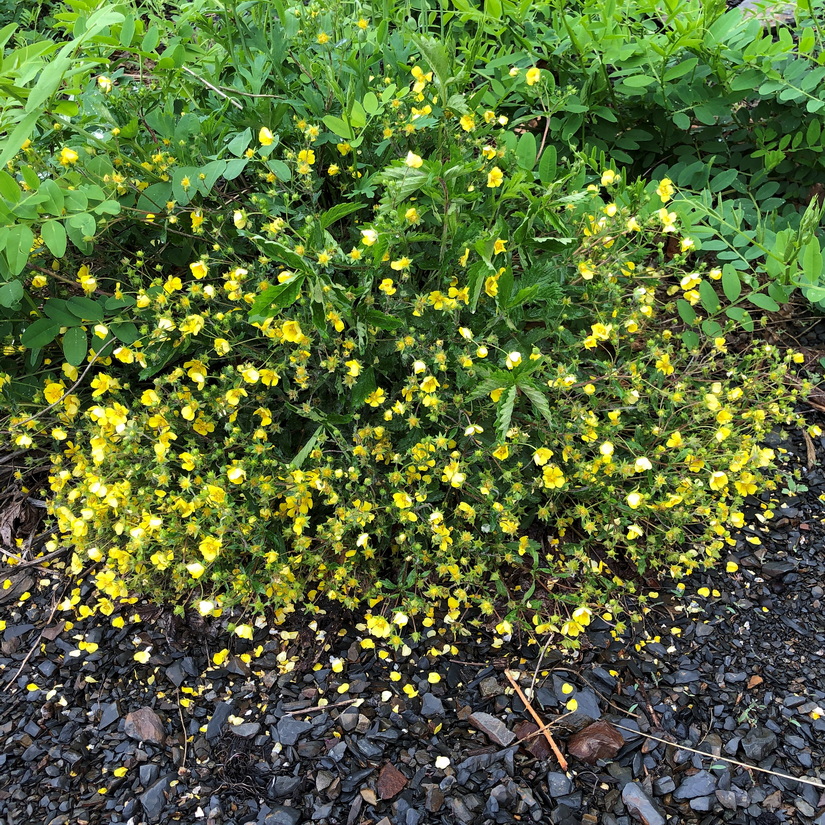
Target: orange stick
(542, 726)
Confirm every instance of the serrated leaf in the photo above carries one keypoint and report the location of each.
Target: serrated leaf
(339, 211)
(504, 413)
(539, 401)
(282, 255)
(274, 298)
(364, 386)
(381, 320)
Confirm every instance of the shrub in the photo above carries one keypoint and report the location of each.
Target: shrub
(371, 339)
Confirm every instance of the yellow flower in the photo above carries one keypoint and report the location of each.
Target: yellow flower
(633, 500)
(68, 156)
(199, 269)
(236, 474)
(401, 264)
(363, 23)
(675, 440)
(501, 452)
(499, 246)
(513, 360)
(718, 480)
(665, 190)
(353, 368)
(467, 123)
(452, 476)
(542, 456)
(292, 331)
(265, 137)
(411, 215)
(368, 237)
(220, 657)
(197, 219)
(244, 631)
(196, 569)
(402, 501)
(608, 177)
(552, 477)
(488, 152)
(105, 84)
(413, 161)
(532, 76)
(343, 148)
(387, 286)
(322, 38)
(306, 156)
(376, 398)
(642, 464)
(495, 177)
(333, 169)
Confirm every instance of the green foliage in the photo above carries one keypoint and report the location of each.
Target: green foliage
(329, 305)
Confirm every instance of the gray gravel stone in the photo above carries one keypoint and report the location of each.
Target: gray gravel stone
(290, 729)
(495, 730)
(758, 743)
(640, 806)
(218, 720)
(558, 784)
(431, 706)
(153, 799)
(700, 784)
(282, 815)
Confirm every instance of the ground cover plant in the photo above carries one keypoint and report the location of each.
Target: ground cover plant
(312, 307)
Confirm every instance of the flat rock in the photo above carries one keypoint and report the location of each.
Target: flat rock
(699, 784)
(145, 726)
(558, 784)
(390, 781)
(597, 741)
(218, 720)
(640, 806)
(495, 730)
(283, 815)
(431, 706)
(758, 743)
(290, 729)
(246, 730)
(153, 799)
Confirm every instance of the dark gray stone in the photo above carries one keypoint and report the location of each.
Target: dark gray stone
(495, 730)
(110, 715)
(558, 784)
(758, 743)
(153, 799)
(702, 803)
(727, 799)
(640, 805)
(700, 784)
(290, 729)
(246, 730)
(431, 706)
(222, 712)
(663, 785)
(282, 815)
(148, 774)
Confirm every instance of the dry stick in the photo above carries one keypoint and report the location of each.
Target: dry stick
(183, 729)
(19, 562)
(39, 638)
(815, 782)
(547, 734)
(323, 707)
(215, 89)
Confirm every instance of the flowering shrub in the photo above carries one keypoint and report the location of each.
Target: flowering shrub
(400, 353)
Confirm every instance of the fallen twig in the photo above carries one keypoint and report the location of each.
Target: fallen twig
(815, 782)
(323, 707)
(542, 726)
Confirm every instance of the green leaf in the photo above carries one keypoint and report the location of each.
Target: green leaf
(723, 180)
(763, 302)
(686, 312)
(381, 320)
(55, 308)
(504, 413)
(370, 103)
(731, 285)
(301, 457)
(547, 165)
(282, 255)
(9, 187)
(338, 127)
(681, 121)
(10, 294)
(75, 345)
(85, 309)
(234, 168)
(274, 298)
(526, 151)
(279, 169)
(711, 328)
(40, 333)
(150, 40)
(240, 143)
(690, 339)
(364, 386)
(54, 236)
(638, 81)
(539, 401)
(19, 242)
(127, 31)
(710, 300)
(125, 331)
(339, 211)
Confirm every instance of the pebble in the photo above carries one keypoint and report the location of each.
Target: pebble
(758, 743)
(699, 784)
(495, 730)
(640, 806)
(145, 726)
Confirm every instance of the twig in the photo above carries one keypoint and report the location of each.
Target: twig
(20, 563)
(815, 782)
(73, 386)
(323, 707)
(543, 728)
(215, 89)
(547, 734)
(40, 636)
